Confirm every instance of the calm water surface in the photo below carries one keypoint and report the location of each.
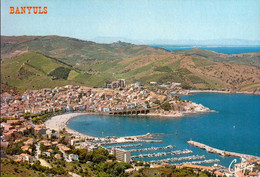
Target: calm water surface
(236, 126)
(226, 50)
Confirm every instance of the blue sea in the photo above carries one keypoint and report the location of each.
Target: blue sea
(235, 127)
(225, 49)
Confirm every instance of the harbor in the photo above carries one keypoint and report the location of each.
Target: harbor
(127, 141)
(175, 159)
(125, 146)
(152, 148)
(160, 154)
(155, 157)
(207, 161)
(178, 131)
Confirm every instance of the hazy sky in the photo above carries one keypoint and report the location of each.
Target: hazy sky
(137, 19)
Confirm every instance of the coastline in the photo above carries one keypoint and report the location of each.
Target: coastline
(176, 115)
(59, 122)
(224, 92)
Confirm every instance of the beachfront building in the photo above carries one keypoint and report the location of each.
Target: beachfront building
(121, 155)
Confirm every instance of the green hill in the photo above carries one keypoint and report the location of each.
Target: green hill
(34, 71)
(79, 52)
(244, 58)
(32, 62)
(73, 51)
(196, 72)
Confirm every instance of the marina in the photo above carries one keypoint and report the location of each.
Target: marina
(130, 141)
(199, 162)
(194, 157)
(125, 146)
(152, 148)
(160, 154)
(164, 130)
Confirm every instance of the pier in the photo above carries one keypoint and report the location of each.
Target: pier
(221, 152)
(197, 157)
(150, 141)
(160, 154)
(199, 162)
(152, 149)
(125, 146)
(130, 141)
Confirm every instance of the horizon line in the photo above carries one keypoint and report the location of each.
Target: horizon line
(144, 41)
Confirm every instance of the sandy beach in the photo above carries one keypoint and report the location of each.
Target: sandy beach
(60, 121)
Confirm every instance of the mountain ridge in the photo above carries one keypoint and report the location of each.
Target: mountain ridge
(71, 61)
(211, 42)
(72, 50)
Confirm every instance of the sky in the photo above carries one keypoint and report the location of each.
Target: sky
(137, 19)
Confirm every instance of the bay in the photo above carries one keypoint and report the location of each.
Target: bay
(235, 127)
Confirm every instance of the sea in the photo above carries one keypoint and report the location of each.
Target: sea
(219, 49)
(234, 127)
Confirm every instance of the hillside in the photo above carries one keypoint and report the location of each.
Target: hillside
(244, 58)
(33, 62)
(197, 72)
(71, 50)
(34, 71)
(79, 52)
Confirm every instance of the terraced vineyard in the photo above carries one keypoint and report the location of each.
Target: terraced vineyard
(33, 62)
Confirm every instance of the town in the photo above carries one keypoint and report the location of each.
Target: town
(27, 137)
(79, 98)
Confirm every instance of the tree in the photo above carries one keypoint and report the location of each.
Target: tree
(166, 106)
(157, 102)
(111, 157)
(146, 165)
(186, 86)
(98, 158)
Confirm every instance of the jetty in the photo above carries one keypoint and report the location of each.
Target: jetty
(160, 154)
(128, 141)
(125, 146)
(199, 162)
(222, 152)
(194, 157)
(152, 148)
(150, 141)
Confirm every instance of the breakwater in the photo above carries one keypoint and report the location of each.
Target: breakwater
(125, 146)
(130, 141)
(152, 149)
(194, 157)
(221, 152)
(160, 154)
(199, 162)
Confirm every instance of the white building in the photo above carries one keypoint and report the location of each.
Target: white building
(73, 157)
(121, 155)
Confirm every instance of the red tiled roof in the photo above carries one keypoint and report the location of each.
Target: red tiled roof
(198, 166)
